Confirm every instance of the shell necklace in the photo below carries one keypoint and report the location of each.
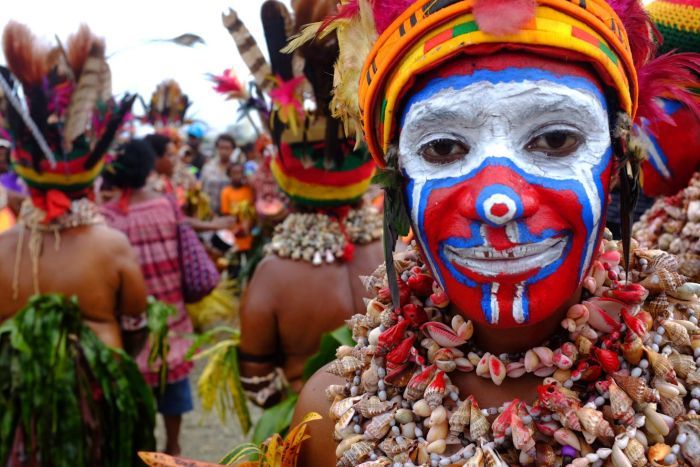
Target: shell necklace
(625, 387)
(318, 237)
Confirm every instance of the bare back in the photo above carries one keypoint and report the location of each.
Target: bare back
(290, 304)
(96, 264)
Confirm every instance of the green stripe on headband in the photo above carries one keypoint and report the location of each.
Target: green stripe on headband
(350, 161)
(326, 203)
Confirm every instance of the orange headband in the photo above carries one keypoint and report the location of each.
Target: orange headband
(428, 33)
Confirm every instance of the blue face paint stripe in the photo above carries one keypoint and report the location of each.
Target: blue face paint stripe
(486, 302)
(571, 185)
(493, 190)
(507, 75)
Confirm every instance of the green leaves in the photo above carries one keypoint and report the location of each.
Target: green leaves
(330, 341)
(276, 419)
(78, 401)
(157, 315)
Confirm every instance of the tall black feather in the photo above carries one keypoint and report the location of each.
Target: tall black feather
(629, 194)
(112, 127)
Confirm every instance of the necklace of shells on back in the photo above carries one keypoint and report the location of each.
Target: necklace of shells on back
(318, 237)
(622, 389)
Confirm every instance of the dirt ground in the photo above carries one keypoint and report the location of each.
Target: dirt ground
(203, 436)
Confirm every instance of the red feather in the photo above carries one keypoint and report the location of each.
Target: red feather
(347, 11)
(26, 56)
(502, 17)
(386, 11)
(78, 48)
(672, 76)
(640, 29)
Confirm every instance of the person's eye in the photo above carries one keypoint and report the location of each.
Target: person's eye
(443, 151)
(555, 143)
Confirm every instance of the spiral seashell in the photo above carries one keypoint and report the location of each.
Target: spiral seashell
(380, 462)
(379, 426)
(371, 406)
(593, 423)
(478, 423)
(633, 349)
(341, 406)
(690, 426)
(347, 366)
(492, 458)
(346, 443)
(396, 445)
(635, 453)
(387, 318)
(676, 333)
(584, 345)
(336, 390)
(661, 365)
(459, 420)
(476, 460)
(343, 422)
(636, 388)
(356, 454)
(682, 364)
(442, 334)
(672, 406)
(670, 281)
(665, 261)
(418, 383)
(620, 404)
(435, 391)
(659, 307)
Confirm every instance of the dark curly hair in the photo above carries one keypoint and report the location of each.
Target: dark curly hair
(134, 162)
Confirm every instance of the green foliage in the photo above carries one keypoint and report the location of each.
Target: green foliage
(330, 341)
(276, 419)
(220, 386)
(157, 314)
(76, 401)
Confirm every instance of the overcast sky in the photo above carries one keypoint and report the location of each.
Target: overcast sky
(138, 66)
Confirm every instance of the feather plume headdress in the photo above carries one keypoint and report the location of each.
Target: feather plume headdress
(67, 119)
(316, 164)
(168, 105)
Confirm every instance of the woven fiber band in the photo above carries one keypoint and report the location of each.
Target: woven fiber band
(432, 31)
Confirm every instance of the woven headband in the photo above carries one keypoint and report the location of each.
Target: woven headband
(432, 31)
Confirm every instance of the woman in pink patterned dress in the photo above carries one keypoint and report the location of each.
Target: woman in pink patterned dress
(150, 221)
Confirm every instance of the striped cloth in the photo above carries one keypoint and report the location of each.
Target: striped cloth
(151, 227)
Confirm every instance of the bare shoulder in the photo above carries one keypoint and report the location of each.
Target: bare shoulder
(111, 239)
(319, 450)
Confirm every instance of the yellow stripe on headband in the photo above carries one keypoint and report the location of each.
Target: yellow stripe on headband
(420, 38)
(295, 187)
(56, 179)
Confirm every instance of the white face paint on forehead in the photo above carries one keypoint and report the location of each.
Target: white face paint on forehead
(487, 144)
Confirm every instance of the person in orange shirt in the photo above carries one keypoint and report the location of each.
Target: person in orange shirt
(238, 201)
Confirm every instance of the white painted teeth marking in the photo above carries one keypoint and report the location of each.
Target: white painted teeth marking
(495, 311)
(484, 234)
(518, 311)
(512, 232)
(487, 261)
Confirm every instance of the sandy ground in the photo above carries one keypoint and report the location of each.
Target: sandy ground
(203, 436)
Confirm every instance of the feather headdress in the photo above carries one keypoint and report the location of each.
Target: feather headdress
(68, 118)
(168, 105)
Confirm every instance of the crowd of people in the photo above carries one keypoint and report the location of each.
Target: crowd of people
(414, 246)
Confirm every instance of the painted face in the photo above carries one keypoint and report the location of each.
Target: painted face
(507, 176)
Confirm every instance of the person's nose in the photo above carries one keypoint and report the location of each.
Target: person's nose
(499, 203)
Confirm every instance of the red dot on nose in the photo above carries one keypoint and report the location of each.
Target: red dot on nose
(499, 209)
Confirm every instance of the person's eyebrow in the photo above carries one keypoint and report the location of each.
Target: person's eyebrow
(559, 105)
